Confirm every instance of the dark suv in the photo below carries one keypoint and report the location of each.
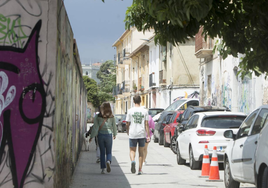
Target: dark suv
(159, 126)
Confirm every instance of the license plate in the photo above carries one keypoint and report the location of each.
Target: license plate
(221, 148)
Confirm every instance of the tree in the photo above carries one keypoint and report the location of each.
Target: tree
(92, 91)
(107, 76)
(242, 24)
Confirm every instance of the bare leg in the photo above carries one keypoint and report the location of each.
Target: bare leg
(141, 152)
(132, 153)
(145, 151)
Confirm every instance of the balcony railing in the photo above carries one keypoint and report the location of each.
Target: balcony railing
(118, 89)
(123, 85)
(162, 78)
(127, 89)
(126, 52)
(203, 47)
(152, 80)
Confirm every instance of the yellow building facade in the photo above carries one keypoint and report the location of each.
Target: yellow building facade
(128, 42)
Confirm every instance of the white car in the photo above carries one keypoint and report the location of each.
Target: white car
(261, 163)
(180, 104)
(240, 161)
(205, 128)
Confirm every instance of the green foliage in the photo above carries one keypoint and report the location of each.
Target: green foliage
(242, 25)
(107, 76)
(92, 91)
(104, 92)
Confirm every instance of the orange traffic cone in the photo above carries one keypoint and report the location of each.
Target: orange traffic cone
(205, 163)
(214, 174)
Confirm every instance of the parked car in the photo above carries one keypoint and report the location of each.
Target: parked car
(169, 130)
(261, 163)
(240, 162)
(155, 111)
(180, 104)
(159, 126)
(186, 116)
(205, 128)
(120, 120)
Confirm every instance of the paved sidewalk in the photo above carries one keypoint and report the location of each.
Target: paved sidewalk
(88, 173)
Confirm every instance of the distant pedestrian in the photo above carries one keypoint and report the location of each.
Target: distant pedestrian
(137, 126)
(151, 128)
(105, 128)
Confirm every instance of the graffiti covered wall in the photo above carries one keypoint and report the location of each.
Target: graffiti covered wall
(31, 96)
(223, 87)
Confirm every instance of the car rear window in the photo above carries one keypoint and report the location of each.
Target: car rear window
(175, 105)
(122, 117)
(223, 122)
(187, 114)
(154, 112)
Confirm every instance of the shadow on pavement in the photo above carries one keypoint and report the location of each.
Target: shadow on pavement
(88, 173)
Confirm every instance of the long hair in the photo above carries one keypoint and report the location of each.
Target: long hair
(105, 110)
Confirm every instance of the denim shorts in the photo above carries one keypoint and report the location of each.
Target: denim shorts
(133, 142)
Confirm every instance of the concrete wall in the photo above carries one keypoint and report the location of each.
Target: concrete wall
(138, 38)
(40, 123)
(71, 102)
(182, 64)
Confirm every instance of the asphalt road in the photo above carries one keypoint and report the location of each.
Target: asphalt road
(161, 170)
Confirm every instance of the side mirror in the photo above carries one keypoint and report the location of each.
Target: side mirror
(229, 134)
(181, 129)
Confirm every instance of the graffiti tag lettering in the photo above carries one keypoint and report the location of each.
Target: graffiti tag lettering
(12, 32)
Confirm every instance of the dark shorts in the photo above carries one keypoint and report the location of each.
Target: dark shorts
(133, 142)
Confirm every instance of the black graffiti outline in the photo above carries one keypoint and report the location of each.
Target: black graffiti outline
(37, 2)
(9, 67)
(34, 88)
(4, 3)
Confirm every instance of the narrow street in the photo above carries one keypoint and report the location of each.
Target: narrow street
(161, 170)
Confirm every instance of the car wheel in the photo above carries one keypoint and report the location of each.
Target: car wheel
(155, 139)
(173, 144)
(180, 160)
(120, 128)
(165, 143)
(193, 163)
(161, 139)
(228, 179)
(264, 179)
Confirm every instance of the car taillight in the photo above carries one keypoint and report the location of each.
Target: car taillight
(203, 142)
(124, 121)
(203, 132)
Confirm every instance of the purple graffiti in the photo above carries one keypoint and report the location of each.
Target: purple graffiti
(22, 104)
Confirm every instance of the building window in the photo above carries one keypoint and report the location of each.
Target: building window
(87, 73)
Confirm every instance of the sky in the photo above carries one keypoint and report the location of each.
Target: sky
(96, 26)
